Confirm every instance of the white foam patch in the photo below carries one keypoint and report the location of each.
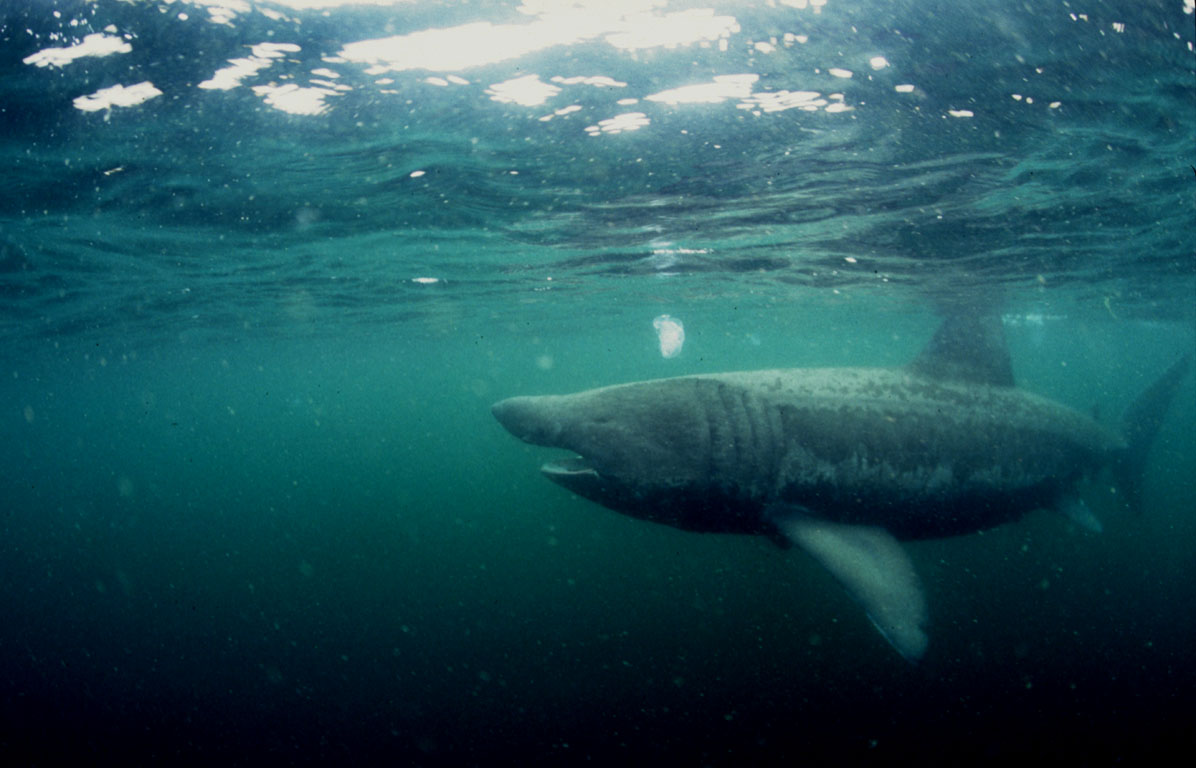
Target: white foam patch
(528, 91)
(723, 88)
(93, 45)
(293, 99)
(117, 96)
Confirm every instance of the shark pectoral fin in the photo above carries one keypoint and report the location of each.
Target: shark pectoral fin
(1078, 512)
(872, 567)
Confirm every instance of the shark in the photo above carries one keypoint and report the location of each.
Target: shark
(846, 463)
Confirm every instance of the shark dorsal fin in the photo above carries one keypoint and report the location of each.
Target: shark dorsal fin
(967, 348)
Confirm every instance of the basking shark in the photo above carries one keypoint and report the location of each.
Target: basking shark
(844, 463)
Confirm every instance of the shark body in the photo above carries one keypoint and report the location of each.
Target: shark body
(843, 462)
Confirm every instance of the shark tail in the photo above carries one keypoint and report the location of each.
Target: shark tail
(1140, 426)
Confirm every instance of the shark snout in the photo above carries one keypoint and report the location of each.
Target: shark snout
(530, 419)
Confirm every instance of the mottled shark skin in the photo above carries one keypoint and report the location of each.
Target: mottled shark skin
(841, 462)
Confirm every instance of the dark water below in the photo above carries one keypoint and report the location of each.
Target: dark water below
(255, 508)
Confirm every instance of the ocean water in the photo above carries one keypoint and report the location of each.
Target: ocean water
(265, 266)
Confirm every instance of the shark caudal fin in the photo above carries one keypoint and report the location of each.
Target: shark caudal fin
(1140, 425)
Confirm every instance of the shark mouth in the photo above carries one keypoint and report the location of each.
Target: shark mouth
(572, 467)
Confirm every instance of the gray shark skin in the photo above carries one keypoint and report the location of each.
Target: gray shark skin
(842, 462)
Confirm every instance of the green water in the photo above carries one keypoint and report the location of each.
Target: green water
(335, 537)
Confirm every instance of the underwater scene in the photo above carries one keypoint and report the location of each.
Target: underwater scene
(635, 382)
